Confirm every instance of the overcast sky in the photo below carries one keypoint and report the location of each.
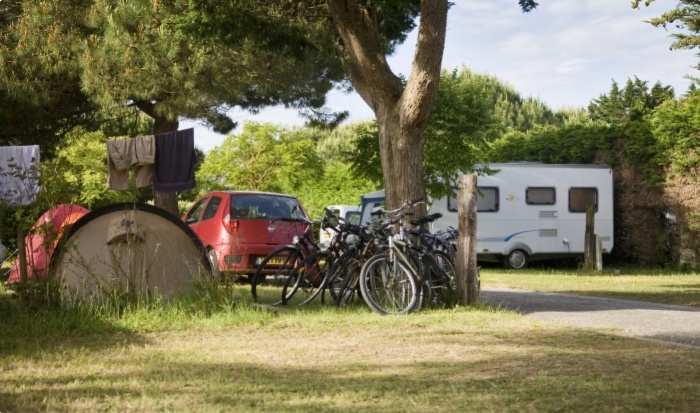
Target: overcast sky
(565, 53)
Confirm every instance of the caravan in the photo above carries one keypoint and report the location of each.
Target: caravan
(530, 211)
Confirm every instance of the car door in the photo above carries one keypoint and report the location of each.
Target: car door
(193, 215)
(210, 228)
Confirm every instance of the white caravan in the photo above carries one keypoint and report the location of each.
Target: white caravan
(529, 211)
(350, 213)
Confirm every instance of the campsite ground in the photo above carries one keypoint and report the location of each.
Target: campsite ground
(216, 353)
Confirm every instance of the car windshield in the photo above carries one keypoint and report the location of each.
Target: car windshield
(264, 207)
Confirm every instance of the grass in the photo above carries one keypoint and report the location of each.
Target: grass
(652, 286)
(216, 352)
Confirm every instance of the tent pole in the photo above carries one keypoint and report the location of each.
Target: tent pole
(22, 255)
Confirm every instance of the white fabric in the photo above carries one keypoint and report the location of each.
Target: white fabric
(19, 174)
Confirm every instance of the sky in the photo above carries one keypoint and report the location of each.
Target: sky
(564, 53)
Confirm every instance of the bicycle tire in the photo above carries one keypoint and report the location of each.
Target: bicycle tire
(308, 279)
(440, 280)
(269, 279)
(388, 287)
(343, 281)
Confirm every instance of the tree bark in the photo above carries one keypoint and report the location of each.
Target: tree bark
(402, 113)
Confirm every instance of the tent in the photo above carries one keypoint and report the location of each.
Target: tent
(367, 204)
(129, 248)
(42, 238)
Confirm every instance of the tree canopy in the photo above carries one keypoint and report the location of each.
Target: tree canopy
(685, 17)
(632, 103)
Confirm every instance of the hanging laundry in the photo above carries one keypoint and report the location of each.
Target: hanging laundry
(19, 174)
(175, 160)
(138, 152)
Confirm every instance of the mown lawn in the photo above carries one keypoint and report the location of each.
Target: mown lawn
(216, 352)
(630, 284)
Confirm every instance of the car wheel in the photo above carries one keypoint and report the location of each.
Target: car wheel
(215, 272)
(516, 260)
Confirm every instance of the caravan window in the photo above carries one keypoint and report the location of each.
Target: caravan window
(540, 196)
(486, 200)
(579, 198)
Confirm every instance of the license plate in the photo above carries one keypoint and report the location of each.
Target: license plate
(273, 261)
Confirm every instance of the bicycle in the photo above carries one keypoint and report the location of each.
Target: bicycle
(273, 271)
(387, 279)
(312, 275)
(402, 277)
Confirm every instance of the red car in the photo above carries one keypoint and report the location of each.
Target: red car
(239, 228)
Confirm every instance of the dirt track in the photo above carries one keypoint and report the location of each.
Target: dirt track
(671, 324)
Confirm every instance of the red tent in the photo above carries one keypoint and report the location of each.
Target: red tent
(41, 240)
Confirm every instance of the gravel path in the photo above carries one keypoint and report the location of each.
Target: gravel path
(666, 323)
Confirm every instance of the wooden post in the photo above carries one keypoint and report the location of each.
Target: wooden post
(598, 253)
(589, 240)
(466, 277)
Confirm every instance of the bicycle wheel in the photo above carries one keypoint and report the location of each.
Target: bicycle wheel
(344, 286)
(388, 287)
(439, 284)
(307, 280)
(272, 274)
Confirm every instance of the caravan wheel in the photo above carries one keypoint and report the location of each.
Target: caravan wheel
(516, 260)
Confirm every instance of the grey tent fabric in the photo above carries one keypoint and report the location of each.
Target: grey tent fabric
(129, 248)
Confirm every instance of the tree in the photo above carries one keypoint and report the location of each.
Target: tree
(471, 113)
(263, 157)
(402, 109)
(685, 18)
(157, 57)
(633, 103)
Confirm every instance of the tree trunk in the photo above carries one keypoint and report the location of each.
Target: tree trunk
(402, 113)
(401, 151)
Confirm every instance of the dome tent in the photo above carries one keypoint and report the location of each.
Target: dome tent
(129, 248)
(40, 242)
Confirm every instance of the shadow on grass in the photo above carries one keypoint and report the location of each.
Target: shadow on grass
(27, 330)
(559, 370)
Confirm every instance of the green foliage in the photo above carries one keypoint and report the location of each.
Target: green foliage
(263, 157)
(471, 113)
(676, 126)
(569, 144)
(685, 18)
(267, 157)
(337, 186)
(633, 103)
(505, 103)
(340, 143)
(365, 160)
(78, 173)
(461, 124)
